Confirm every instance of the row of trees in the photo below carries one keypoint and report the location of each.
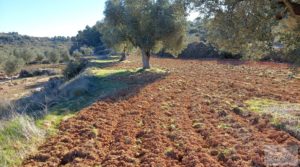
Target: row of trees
(15, 60)
(90, 37)
(246, 27)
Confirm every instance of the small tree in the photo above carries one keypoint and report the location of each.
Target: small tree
(54, 57)
(40, 56)
(13, 65)
(65, 55)
(149, 25)
(28, 55)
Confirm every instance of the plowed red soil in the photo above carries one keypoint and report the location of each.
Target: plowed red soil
(184, 119)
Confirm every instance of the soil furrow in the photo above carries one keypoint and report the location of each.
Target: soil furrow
(185, 119)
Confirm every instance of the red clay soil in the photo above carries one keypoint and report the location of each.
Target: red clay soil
(184, 119)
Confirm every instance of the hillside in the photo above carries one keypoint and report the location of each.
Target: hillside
(16, 39)
(198, 113)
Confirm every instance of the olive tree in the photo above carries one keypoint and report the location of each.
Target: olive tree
(54, 56)
(13, 65)
(148, 25)
(65, 55)
(251, 27)
(28, 55)
(116, 38)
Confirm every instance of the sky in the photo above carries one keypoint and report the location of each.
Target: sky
(48, 18)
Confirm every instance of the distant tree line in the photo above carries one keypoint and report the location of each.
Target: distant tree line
(89, 39)
(13, 38)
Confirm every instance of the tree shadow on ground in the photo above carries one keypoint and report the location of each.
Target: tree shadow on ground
(67, 98)
(104, 62)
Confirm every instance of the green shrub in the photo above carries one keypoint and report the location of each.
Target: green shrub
(86, 51)
(76, 54)
(18, 137)
(53, 57)
(74, 68)
(13, 65)
(40, 56)
(65, 55)
(27, 55)
(3, 58)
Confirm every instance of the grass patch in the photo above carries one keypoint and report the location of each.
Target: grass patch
(122, 72)
(284, 115)
(101, 73)
(51, 121)
(113, 60)
(224, 126)
(18, 137)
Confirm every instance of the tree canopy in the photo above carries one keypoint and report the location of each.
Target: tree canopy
(250, 27)
(148, 25)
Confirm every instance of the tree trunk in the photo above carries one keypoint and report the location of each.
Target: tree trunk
(146, 59)
(123, 56)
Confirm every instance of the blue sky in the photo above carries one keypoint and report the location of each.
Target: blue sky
(50, 17)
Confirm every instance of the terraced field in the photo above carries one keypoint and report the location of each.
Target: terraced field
(198, 113)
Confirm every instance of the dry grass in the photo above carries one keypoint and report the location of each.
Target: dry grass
(18, 136)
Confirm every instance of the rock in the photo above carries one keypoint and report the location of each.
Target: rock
(238, 110)
(38, 72)
(25, 74)
(221, 157)
(214, 152)
(222, 113)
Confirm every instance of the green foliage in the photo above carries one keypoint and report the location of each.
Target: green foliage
(249, 27)
(116, 38)
(148, 25)
(76, 54)
(86, 51)
(53, 56)
(18, 136)
(65, 55)
(3, 57)
(40, 56)
(74, 68)
(90, 37)
(13, 65)
(28, 55)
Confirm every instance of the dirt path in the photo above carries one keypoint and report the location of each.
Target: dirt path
(185, 119)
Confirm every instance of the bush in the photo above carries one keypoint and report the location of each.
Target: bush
(26, 54)
(86, 51)
(199, 50)
(76, 54)
(40, 57)
(74, 68)
(13, 65)
(19, 135)
(3, 58)
(65, 55)
(53, 57)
